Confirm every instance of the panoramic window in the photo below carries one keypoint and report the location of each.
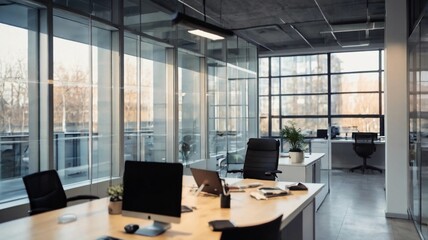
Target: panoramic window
(82, 99)
(18, 79)
(303, 89)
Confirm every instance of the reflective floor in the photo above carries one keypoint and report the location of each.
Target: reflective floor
(355, 209)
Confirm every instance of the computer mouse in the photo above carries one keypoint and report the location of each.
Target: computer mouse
(66, 218)
(131, 228)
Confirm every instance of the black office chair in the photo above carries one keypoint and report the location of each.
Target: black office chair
(268, 231)
(261, 159)
(46, 193)
(364, 147)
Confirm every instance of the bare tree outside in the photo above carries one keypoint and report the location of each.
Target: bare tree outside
(72, 99)
(13, 96)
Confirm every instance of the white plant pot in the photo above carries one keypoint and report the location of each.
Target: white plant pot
(296, 157)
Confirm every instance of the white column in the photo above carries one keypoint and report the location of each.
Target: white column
(396, 109)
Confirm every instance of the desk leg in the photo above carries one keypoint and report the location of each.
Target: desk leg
(302, 227)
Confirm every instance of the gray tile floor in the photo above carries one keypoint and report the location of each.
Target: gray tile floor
(354, 209)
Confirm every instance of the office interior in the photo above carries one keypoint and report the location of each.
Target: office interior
(87, 85)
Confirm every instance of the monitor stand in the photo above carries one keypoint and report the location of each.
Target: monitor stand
(155, 229)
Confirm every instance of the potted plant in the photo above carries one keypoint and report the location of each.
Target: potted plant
(294, 137)
(116, 194)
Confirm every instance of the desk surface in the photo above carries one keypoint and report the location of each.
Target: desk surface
(309, 159)
(344, 141)
(94, 221)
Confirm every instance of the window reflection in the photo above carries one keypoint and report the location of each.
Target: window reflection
(144, 100)
(189, 111)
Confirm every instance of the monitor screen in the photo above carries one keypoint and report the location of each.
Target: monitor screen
(209, 179)
(152, 190)
(375, 137)
(322, 133)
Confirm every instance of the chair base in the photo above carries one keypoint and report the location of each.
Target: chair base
(364, 167)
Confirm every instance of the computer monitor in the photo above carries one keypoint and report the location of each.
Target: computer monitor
(209, 180)
(152, 190)
(322, 133)
(375, 135)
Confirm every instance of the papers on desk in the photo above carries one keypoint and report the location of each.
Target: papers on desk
(264, 193)
(241, 188)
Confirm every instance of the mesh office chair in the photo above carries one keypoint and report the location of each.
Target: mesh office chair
(46, 193)
(261, 159)
(364, 147)
(269, 230)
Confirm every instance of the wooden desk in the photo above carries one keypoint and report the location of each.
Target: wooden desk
(94, 221)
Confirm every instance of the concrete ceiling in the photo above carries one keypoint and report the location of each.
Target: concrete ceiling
(297, 26)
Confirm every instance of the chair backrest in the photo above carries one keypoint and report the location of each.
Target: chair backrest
(364, 143)
(45, 190)
(269, 230)
(262, 156)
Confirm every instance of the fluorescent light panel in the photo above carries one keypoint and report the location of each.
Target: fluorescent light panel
(356, 45)
(205, 34)
(201, 28)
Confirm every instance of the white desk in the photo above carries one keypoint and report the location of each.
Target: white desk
(342, 155)
(308, 171)
(94, 221)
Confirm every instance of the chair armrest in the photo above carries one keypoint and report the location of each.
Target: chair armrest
(38, 210)
(273, 173)
(236, 171)
(82, 197)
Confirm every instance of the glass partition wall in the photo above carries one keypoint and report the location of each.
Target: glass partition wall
(83, 91)
(145, 102)
(418, 125)
(189, 107)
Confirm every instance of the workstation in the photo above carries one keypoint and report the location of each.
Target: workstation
(89, 85)
(308, 171)
(340, 153)
(91, 220)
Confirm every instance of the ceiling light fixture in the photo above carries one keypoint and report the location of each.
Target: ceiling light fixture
(204, 34)
(201, 28)
(356, 45)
